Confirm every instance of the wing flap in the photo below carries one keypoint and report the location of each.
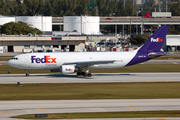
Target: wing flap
(89, 63)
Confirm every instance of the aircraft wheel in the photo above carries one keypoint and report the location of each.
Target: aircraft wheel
(89, 74)
(78, 73)
(27, 73)
(82, 73)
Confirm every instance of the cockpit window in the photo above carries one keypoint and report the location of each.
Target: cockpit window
(14, 58)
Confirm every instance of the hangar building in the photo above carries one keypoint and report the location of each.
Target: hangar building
(173, 42)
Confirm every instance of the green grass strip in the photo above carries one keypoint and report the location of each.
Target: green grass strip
(145, 68)
(76, 91)
(134, 114)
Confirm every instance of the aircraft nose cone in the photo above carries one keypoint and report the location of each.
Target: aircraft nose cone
(9, 62)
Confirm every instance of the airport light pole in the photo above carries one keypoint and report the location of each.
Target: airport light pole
(123, 30)
(141, 26)
(138, 13)
(130, 26)
(115, 29)
(159, 6)
(136, 29)
(166, 5)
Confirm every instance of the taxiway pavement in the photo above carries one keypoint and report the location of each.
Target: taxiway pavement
(14, 108)
(3, 63)
(96, 78)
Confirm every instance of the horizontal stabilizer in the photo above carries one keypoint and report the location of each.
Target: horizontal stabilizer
(155, 42)
(156, 54)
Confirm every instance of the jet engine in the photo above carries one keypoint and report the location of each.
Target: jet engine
(67, 69)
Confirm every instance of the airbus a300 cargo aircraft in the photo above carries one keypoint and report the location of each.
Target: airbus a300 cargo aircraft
(70, 62)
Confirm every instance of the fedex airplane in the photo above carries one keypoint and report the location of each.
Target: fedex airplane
(70, 62)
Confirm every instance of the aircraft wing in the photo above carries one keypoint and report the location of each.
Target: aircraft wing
(89, 63)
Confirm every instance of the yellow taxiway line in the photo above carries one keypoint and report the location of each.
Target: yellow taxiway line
(138, 109)
(132, 108)
(161, 118)
(8, 112)
(42, 110)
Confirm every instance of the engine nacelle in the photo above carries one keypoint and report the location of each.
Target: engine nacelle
(67, 69)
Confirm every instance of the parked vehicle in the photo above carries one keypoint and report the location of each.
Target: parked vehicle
(108, 18)
(1, 49)
(147, 15)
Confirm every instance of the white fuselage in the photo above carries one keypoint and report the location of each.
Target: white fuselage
(36, 61)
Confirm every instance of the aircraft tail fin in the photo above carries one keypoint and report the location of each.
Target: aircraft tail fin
(151, 48)
(155, 42)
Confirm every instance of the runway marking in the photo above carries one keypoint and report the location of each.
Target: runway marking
(161, 118)
(42, 110)
(132, 108)
(8, 112)
(175, 62)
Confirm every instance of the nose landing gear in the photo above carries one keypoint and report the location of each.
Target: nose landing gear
(27, 73)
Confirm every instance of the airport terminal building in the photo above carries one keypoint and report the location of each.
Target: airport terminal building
(43, 43)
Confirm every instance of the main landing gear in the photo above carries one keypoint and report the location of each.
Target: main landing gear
(85, 74)
(27, 73)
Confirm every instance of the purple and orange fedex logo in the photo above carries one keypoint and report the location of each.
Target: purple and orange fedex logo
(156, 40)
(45, 59)
(69, 69)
